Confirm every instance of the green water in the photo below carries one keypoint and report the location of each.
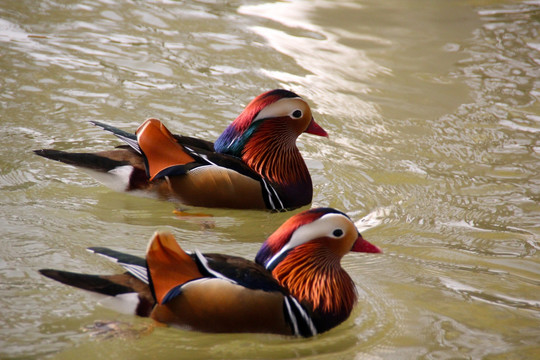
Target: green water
(434, 120)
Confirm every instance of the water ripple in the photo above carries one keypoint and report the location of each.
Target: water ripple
(496, 299)
(328, 66)
(433, 151)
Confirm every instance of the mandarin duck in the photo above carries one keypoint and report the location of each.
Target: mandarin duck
(254, 163)
(296, 286)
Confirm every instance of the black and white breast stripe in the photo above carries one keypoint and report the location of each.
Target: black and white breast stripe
(299, 320)
(272, 198)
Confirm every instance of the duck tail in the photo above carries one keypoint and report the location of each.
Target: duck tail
(124, 293)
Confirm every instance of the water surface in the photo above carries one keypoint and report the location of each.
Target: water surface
(434, 148)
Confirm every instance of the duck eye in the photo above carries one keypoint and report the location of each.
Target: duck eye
(297, 114)
(337, 232)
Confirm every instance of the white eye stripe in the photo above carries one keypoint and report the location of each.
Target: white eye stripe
(282, 107)
(322, 227)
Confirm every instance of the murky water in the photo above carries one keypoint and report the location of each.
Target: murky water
(434, 116)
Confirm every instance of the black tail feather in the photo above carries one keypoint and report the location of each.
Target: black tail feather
(95, 283)
(118, 256)
(85, 160)
(115, 130)
(135, 265)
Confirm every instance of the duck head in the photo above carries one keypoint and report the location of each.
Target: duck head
(285, 110)
(309, 225)
(264, 135)
(305, 254)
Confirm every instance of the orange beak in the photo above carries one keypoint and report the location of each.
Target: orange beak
(315, 129)
(361, 245)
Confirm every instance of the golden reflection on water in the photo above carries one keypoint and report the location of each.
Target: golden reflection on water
(332, 73)
(433, 117)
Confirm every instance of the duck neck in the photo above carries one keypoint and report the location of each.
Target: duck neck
(315, 277)
(271, 151)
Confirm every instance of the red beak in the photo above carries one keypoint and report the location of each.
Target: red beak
(361, 245)
(315, 129)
